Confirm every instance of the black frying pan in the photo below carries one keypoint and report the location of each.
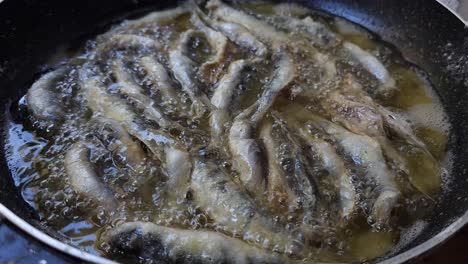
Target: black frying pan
(423, 30)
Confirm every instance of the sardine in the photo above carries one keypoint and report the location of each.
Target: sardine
(283, 76)
(42, 100)
(178, 167)
(247, 155)
(111, 107)
(186, 246)
(135, 93)
(158, 18)
(329, 161)
(242, 37)
(373, 66)
(288, 167)
(366, 152)
(230, 207)
(245, 148)
(223, 97)
(84, 180)
(314, 31)
(352, 111)
(119, 142)
(211, 68)
(262, 30)
(184, 71)
(334, 165)
(160, 81)
(352, 107)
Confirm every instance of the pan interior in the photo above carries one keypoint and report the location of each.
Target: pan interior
(448, 82)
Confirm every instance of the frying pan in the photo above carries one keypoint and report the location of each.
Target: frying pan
(426, 33)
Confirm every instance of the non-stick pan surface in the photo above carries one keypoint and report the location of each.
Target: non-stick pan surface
(31, 31)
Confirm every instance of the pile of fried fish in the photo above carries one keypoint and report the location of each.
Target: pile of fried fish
(210, 95)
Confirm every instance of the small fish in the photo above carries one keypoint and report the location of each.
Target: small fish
(84, 180)
(186, 246)
(283, 76)
(373, 66)
(160, 80)
(222, 99)
(118, 141)
(242, 37)
(230, 207)
(178, 168)
(106, 105)
(353, 108)
(262, 30)
(314, 31)
(184, 71)
(366, 152)
(330, 161)
(42, 100)
(288, 167)
(245, 148)
(135, 93)
(211, 69)
(247, 155)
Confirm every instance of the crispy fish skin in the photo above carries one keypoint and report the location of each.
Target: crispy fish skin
(104, 104)
(84, 180)
(280, 197)
(314, 31)
(373, 66)
(183, 69)
(330, 161)
(245, 148)
(353, 108)
(160, 80)
(133, 92)
(262, 30)
(179, 245)
(42, 101)
(242, 37)
(288, 187)
(367, 153)
(213, 67)
(223, 98)
(247, 155)
(230, 206)
(123, 145)
(179, 168)
(293, 163)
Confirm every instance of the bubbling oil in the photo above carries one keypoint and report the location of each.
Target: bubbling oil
(36, 152)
